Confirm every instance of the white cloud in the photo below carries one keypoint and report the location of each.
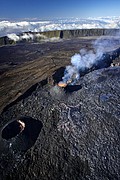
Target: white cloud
(8, 27)
(26, 36)
(13, 36)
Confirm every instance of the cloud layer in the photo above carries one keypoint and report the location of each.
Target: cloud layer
(8, 27)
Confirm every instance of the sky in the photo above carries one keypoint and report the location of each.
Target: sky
(46, 9)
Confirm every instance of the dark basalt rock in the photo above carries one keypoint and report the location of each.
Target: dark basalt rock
(70, 133)
(80, 137)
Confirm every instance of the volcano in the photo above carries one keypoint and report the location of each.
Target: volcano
(50, 130)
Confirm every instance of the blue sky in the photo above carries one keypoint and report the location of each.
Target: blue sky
(46, 9)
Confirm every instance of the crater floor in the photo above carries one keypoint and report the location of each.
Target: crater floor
(78, 136)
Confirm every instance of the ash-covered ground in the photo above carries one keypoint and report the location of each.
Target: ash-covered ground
(70, 133)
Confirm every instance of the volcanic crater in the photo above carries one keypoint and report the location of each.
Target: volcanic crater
(50, 132)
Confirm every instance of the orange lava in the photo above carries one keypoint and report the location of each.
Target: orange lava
(22, 125)
(62, 84)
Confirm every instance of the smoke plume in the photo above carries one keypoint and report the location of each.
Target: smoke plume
(85, 59)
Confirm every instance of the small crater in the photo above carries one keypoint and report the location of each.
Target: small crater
(13, 129)
(72, 88)
(22, 133)
(57, 76)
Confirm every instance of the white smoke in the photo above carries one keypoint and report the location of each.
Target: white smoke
(85, 59)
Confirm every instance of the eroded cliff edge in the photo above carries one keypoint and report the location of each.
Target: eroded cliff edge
(62, 34)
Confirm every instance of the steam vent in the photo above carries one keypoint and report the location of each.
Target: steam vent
(61, 120)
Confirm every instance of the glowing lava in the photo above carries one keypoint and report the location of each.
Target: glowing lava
(62, 84)
(21, 125)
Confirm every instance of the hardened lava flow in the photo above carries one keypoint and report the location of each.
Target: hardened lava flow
(66, 124)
